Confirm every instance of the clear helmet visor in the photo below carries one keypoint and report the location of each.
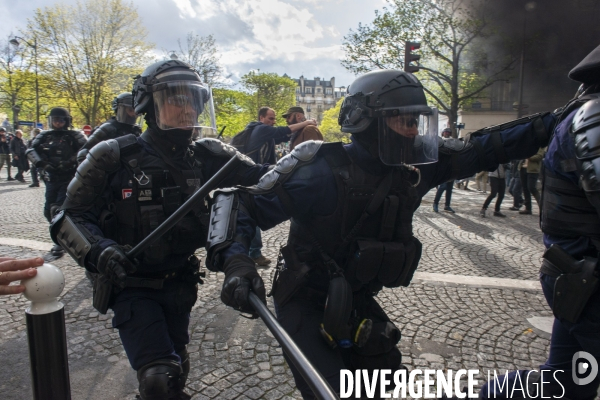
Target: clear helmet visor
(185, 105)
(126, 114)
(409, 136)
(58, 122)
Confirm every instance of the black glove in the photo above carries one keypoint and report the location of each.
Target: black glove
(65, 166)
(48, 168)
(40, 164)
(240, 278)
(114, 264)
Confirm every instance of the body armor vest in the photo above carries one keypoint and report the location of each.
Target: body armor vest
(153, 192)
(383, 250)
(566, 210)
(59, 146)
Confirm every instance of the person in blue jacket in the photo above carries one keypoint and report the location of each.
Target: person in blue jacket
(351, 208)
(569, 274)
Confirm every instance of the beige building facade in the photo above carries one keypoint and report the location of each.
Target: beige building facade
(317, 95)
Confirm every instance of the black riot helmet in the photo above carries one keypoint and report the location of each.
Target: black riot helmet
(172, 96)
(406, 128)
(59, 118)
(588, 70)
(122, 106)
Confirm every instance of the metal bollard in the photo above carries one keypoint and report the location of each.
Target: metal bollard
(46, 335)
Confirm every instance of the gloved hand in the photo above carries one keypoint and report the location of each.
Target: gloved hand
(65, 166)
(48, 168)
(240, 278)
(40, 164)
(114, 264)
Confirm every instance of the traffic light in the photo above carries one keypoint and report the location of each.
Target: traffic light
(409, 57)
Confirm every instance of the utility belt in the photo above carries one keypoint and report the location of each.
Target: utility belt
(576, 282)
(104, 291)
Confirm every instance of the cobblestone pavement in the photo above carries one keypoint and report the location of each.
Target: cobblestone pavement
(443, 325)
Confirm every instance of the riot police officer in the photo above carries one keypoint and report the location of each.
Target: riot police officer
(351, 208)
(54, 152)
(569, 274)
(123, 123)
(122, 191)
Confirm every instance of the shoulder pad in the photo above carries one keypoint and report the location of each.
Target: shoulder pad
(40, 137)
(220, 149)
(302, 154)
(106, 131)
(586, 128)
(106, 155)
(305, 151)
(216, 147)
(452, 145)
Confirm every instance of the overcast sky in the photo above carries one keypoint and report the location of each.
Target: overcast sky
(297, 37)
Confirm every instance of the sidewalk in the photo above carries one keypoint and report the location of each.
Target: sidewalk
(474, 304)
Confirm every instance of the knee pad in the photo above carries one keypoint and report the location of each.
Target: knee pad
(160, 380)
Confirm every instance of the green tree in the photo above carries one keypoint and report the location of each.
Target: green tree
(267, 89)
(91, 51)
(329, 125)
(455, 67)
(231, 110)
(14, 80)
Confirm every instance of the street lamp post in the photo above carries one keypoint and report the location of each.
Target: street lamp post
(34, 46)
(530, 6)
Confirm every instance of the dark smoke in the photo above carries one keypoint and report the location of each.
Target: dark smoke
(558, 35)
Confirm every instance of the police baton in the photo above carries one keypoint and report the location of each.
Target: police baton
(186, 207)
(313, 378)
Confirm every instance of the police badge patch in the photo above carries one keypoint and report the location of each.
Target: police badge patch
(145, 195)
(126, 193)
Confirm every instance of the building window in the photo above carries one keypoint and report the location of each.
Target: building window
(298, 89)
(308, 90)
(318, 90)
(328, 91)
(307, 108)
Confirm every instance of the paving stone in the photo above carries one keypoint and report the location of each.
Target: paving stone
(232, 357)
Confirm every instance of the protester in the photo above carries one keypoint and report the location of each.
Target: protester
(5, 154)
(12, 270)
(498, 185)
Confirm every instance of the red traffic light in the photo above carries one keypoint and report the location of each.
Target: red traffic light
(409, 47)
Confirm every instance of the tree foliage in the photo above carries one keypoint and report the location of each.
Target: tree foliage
(232, 112)
(90, 51)
(201, 53)
(455, 67)
(329, 125)
(267, 89)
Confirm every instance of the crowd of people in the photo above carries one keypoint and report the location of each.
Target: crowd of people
(351, 209)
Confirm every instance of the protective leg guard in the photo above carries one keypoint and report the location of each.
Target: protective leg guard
(161, 380)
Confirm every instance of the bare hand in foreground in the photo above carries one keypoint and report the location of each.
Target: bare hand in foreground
(12, 270)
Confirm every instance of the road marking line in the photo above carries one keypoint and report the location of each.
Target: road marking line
(481, 281)
(31, 244)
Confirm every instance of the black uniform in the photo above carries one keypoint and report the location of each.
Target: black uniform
(123, 190)
(54, 152)
(351, 231)
(111, 129)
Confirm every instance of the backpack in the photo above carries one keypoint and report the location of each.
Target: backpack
(241, 139)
